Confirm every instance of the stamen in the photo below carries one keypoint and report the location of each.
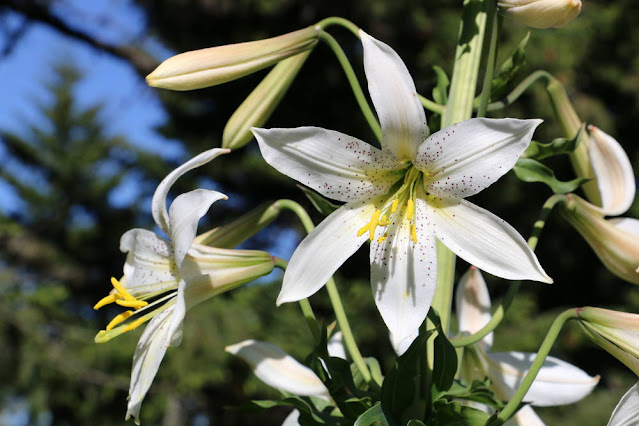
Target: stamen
(394, 205)
(381, 239)
(383, 221)
(373, 224)
(118, 319)
(413, 232)
(363, 229)
(125, 294)
(409, 209)
(137, 304)
(135, 324)
(107, 300)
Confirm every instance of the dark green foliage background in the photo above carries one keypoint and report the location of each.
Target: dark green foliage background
(53, 268)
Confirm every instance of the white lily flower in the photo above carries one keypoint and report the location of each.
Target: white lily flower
(558, 382)
(402, 197)
(613, 172)
(626, 413)
(164, 278)
(281, 371)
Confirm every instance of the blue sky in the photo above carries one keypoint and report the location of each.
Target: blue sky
(131, 107)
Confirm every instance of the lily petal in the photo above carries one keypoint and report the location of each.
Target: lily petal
(625, 413)
(613, 172)
(526, 416)
(324, 250)
(484, 240)
(336, 165)
(184, 214)
(404, 274)
(467, 157)
(158, 203)
(335, 345)
(147, 358)
(149, 261)
(393, 93)
(277, 369)
(177, 319)
(558, 382)
(292, 419)
(472, 301)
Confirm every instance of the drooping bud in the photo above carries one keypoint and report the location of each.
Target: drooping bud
(217, 65)
(616, 332)
(262, 101)
(615, 241)
(541, 13)
(613, 172)
(241, 229)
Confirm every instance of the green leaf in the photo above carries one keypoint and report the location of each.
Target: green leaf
(440, 91)
(445, 359)
(455, 414)
(375, 370)
(336, 374)
(509, 69)
(322, 205)
(530, 170)
(559, 146)
(315, 410)
(372, 416)
(477, 391)
(402, 388)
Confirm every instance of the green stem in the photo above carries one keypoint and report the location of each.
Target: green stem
(507, 300)
(335, 20)
(543, 352)
(519, 90)
(336, 302)
(493, 29)
(355, 86)
(431, 106)
(305, 306)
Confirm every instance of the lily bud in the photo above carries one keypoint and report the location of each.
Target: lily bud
(217, 65)
(241, 229)
(615, 241)
(613, 172)
(262, 101)
(541, 13)
(616, 332)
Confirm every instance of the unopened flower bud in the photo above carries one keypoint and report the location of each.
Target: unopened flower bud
(217, 65)
(241, 229)
(615, 241)
(616, 332)
(613, 172)
(541, 13)
(262, 101)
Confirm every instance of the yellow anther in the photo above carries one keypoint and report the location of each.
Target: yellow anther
(137, 304)
(118, 319)
(409, 209)
(413, 233)
(363, 229)
(125, 294)
(394, 205)
(373, 224)
(135, 324)
(383, 221)
(381, 239)
(106, 300)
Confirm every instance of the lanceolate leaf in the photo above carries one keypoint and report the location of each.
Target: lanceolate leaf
(539, 151)
(509, 70)
(372, 416)
(440, 91)
(322, 205)
(530, 170)
(456, 414)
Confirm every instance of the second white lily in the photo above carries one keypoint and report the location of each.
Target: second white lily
(558, 382)
(402, 197)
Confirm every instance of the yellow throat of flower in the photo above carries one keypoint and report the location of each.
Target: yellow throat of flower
(402, 202)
